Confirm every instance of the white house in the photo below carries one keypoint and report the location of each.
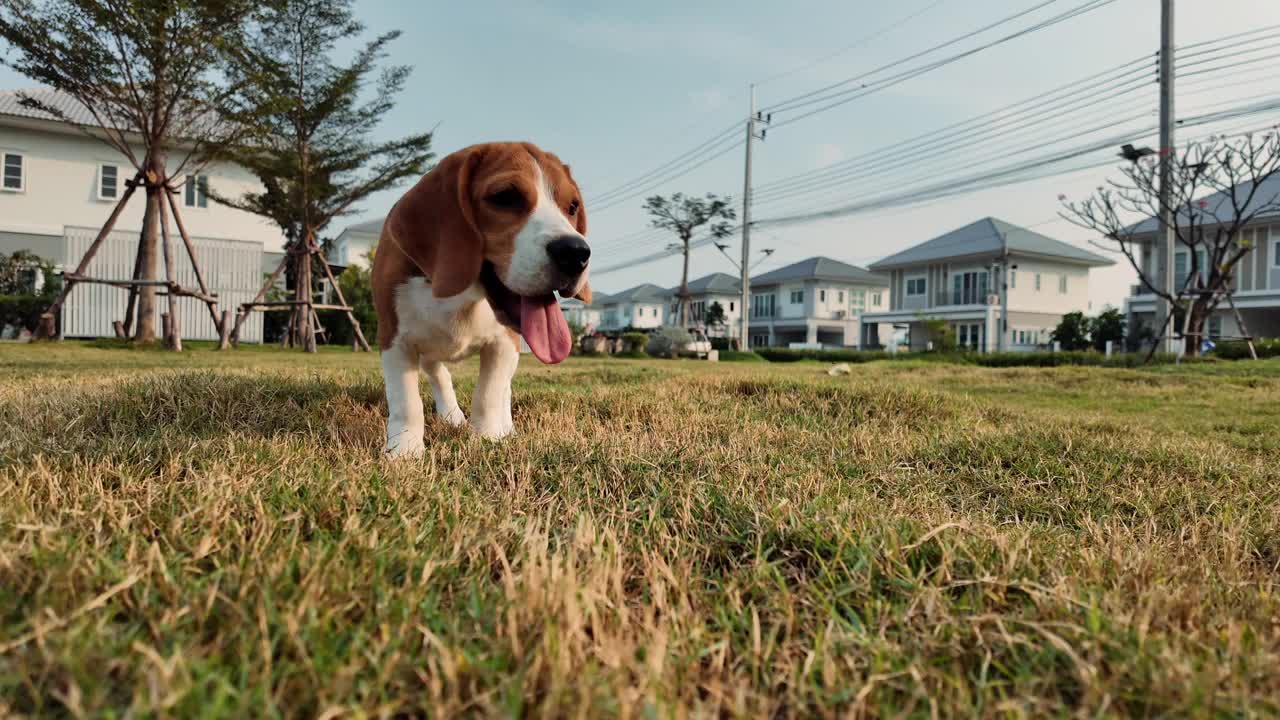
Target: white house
(352, 245)
(1257, 277)
(703, 293)
(641, 307)
(57, 187)
(818, 301)
(955, 277)
(580, 313)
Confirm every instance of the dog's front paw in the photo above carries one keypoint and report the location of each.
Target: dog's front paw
(404, 444)
(453, 417)
(495, 430)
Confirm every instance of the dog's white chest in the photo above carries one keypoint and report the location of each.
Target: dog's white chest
(445, 329)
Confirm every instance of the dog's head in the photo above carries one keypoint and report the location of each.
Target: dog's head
(510, 217)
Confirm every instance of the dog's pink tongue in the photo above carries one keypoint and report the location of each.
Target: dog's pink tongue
(544, 328)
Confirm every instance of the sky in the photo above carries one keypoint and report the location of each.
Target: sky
(617, 89)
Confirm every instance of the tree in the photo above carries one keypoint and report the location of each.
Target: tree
(145, 71)
(311, 122)
(714, 316)
(1109, 325)
(1206, 229)
(940, 333)
(1072, 332)
(683, 216)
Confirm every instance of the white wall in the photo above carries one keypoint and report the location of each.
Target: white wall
(787, 308)
(61, 177)
(352, 248)
(1025, 298)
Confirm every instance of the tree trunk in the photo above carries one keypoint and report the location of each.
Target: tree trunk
(1194, 334)
(306, 330)
(148, 258)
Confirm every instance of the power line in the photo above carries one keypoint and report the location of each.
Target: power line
(850, 95)
(700, 149)
(857, 43)
(668, 178)
(780, 106)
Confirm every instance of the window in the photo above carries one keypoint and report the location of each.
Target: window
(1037, 282)
(108, 182)
(822, 296)
(797, 297)
(1062, 284)
(14, 179)
(759, 341)
(916, 286)
(763, 305)
(840, 297)
(858, 300)
(1215, 327)
(730, 306)
(969, 288)
(1013, 278)
(1275, 253)
(197, 191)
(875, 299)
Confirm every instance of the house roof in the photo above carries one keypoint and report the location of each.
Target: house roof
(11, 104)
(820, 268)
(716, 282)
(645, 293)
(597, 299)
(373, 227)
(1220, 203)
(985, 236)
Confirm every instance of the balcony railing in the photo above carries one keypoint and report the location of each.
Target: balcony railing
(971, 296)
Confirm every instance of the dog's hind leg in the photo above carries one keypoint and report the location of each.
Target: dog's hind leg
(442, 391)
(405, 423)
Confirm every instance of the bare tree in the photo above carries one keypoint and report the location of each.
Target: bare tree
(683, 216)
(1218, 189)
(145, 72)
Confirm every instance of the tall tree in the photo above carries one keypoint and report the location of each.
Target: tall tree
(145, 72)
(1233, 174)
(683, 216)
(312, 122)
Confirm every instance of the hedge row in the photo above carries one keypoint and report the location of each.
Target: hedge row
(1239, 350)
(1007, 359)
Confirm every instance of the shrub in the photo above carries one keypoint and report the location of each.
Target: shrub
(1074, 357)
(721, 343)
(839, 355)
(666, 341)
(740, 356)
(1239, 349)
(22, 310)
(634, 342)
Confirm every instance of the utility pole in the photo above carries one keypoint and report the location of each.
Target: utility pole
(1167, 228)
(753, 117)
(1003, 325)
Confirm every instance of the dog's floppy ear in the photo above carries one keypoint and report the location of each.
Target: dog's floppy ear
(435, 225)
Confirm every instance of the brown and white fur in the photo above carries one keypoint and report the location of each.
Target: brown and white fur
(488, 223)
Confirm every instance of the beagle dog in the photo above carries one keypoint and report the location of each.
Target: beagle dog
(470, 259)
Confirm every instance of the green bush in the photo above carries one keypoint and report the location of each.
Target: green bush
(1074, 357)
(1239, 349)
(849, 356)
(634, 342)
(721, 343)
(666, 341)
(740, 356)
(23, 310)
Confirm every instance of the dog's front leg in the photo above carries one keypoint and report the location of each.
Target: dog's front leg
(405, 423)
(491, 403)
(442, 391)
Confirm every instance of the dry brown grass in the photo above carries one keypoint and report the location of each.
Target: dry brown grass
(216, 535)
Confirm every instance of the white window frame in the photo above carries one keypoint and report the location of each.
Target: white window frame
(1062, 284)
(1013, 279)
(840, 297)
(822, 296)
(1037, 282)
(794, 300)
(875, 299)
(924, 286)
(107, 198)
(191, 196)
(1275, 253)
(22, 171)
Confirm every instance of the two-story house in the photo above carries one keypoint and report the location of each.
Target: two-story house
(956, 277)
(57, 187)
(704, 292)
(1257, 276)
(641, 307)
(588, 316)
(814, 302)
(352, 245)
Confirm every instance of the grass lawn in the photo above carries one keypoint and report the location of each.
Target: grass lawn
(215, 534)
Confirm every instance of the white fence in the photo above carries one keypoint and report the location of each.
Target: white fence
(233, 269)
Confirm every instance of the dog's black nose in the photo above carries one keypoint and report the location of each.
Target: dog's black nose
(569, 253)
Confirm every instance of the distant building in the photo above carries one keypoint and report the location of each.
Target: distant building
(953, 277)
(1257, 277)
(703, 293)
(641, 307)
(818, 301)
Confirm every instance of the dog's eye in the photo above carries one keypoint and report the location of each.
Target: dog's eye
(508, 199)
(573, 208)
